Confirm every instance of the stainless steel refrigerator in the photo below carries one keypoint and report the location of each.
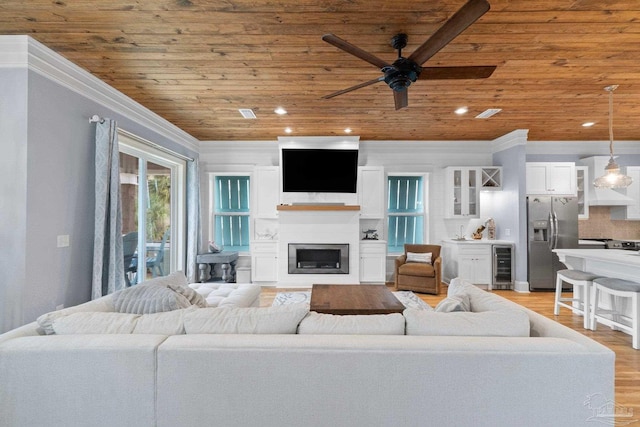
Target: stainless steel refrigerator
(552, 224)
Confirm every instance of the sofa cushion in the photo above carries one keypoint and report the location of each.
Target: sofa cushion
(95, 322)
(502, 323)
(377, 324)
(148, 298)
(282, 319)
(458, 302)
(45, 322)
(165, 323)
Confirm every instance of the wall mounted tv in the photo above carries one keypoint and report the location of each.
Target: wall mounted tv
(319, 170)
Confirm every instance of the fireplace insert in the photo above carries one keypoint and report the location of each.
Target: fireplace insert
(318, 258)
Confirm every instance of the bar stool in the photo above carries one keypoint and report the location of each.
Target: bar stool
(615, 289)
(577, 278)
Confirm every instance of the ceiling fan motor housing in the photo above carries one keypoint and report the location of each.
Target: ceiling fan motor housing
(401, 74)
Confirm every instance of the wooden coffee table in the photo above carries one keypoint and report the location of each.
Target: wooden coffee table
(354, 299)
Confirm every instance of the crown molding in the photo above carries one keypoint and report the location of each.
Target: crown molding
(509, 140)
(582, 148)
(23, 51)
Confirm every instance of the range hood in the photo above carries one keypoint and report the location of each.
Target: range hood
(602, 196)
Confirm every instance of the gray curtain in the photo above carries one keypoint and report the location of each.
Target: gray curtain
(193, 219)
(108, 257)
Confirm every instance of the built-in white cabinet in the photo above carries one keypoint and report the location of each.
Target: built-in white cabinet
(462, 192)
(371, 192)
(373, 256)
(582, 191)
(474, 263)
(632, 211)
(469, 260)
(265, 186)
(264, 261)
(551, 178)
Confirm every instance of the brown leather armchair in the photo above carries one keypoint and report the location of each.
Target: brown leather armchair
(419, 276)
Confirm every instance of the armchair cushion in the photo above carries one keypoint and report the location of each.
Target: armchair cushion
(417, 269)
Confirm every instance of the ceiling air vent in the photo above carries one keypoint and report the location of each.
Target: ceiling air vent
(488, 113)
(247, 113)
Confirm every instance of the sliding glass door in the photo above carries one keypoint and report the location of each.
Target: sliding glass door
(153, 204)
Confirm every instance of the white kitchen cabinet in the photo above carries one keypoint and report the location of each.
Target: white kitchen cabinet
(462, 192)
(474, 263)
(551, 178)
(632, 211)
(582, 191)
(468, 259)
(373, 259)
(264, 261)
(371, 192)
(265, 186)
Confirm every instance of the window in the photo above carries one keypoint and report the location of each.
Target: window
(405, 211)
(152, 187)
(230, 195)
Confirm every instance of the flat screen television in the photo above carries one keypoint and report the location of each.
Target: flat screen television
(319, 170)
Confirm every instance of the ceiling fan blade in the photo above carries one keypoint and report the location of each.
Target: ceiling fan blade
(358, 86)
(354, 50)
(443, 73)
(401, 99)
(467, 15)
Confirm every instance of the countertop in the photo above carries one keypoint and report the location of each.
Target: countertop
(477, 242)
(613, 256)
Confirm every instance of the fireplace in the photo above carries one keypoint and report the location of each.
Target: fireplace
(307, 258)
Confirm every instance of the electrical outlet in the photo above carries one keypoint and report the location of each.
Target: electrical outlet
(63, 241)
(507, 232)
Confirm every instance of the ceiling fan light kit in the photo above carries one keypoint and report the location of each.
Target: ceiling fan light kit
(404, 71)
(612, 177)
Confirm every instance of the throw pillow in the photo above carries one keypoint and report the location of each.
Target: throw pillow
(458, 302)
(190, 294)
(329, 324)
(144, 299)
(246, 320)
(424, 258)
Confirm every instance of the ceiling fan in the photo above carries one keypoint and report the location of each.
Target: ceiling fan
(403, 71)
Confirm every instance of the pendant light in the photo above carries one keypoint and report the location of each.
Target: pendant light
(612, 177)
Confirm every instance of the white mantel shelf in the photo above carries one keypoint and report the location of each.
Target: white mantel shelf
(318, 207)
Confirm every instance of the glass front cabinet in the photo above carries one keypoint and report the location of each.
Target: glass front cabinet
(463, 190)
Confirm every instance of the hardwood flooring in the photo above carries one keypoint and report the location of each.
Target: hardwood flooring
(627, 359)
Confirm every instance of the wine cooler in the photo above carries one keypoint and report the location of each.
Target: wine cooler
(503, 267)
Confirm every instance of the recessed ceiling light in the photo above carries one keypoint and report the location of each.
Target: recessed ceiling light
(488, 113)
(347, 130)
(462, 110)
(588, 124)
(247, 113)
(288, 130)
(281, 111)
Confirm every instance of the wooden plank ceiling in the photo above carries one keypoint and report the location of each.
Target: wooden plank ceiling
(196, 62)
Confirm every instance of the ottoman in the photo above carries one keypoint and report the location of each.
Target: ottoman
(221, 294)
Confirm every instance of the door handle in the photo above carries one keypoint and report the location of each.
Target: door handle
(552, 231)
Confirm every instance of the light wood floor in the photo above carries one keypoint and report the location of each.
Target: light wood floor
(627, 359)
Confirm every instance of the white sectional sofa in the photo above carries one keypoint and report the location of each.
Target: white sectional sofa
(249, 367)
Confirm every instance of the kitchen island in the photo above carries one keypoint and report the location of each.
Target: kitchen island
(608, 262)
(616, 263)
